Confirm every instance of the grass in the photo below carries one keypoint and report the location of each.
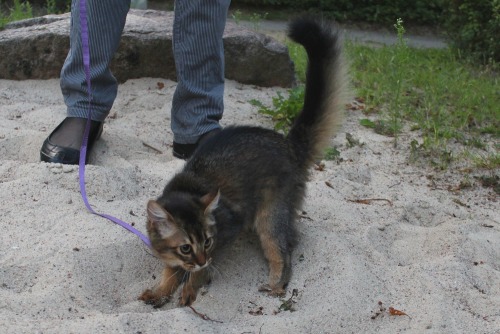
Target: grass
(432, 91)
(487, 161)
(440, 95)
(443, 98)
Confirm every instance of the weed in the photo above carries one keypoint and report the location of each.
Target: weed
(51, 7)
(332, 153)
(299, 57)
(284, 110)
(19, 11)
(351, 141)
(491, 181)
(237, 15)
(475, 142)
(437, 155)
(465, 183)
(256, 19)
(397, 67)
(381, 126)
(490, 161)
(400, 59)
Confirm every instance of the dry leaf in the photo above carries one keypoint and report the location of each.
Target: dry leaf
(393, 311)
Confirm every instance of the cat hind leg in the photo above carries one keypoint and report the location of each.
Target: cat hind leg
(274, 227)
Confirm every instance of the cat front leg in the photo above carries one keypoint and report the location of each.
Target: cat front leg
(190, 289)
(162, 293)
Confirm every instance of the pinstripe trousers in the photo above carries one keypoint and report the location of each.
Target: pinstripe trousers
(197, 105)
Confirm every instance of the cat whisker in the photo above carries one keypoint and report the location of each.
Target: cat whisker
(168, 279)
(149, 251)
(174, 274)
(214, 269)
(210, 275)
(186, 275)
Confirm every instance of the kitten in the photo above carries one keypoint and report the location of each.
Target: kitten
(248, 176)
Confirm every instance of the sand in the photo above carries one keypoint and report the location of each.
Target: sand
(421, 249)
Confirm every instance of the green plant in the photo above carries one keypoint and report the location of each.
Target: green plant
(256, 19)
(51, 7)
(236, 15)
(473, 28)
(441, 97)
(491, 181)
(397, 67)
(18, 11)
(489, 161)
(284, 110)
(332, 153)
(437, 155)
(299, 57)
(400, 59)
(431, 90)
(380, 11)
(21, 11)
(3, 19)
(380, 126)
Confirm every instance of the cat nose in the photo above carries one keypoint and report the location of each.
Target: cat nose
(201, 259)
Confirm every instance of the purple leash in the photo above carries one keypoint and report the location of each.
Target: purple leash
(83, 149)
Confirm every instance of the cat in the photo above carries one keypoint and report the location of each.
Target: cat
(248, 176)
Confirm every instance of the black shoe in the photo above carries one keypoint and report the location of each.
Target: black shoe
(51, 152)
(185, 151)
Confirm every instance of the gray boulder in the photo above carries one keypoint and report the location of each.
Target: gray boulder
(36, 49)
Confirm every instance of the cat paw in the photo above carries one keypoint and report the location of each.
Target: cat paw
(150, 298)
(277, 291)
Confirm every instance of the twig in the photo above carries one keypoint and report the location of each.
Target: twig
(203, 316)
(396, 184)
(369, 200)
(152, 147)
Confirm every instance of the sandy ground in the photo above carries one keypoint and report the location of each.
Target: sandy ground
(423, 250)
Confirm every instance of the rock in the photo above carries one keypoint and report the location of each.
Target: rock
(36, 49)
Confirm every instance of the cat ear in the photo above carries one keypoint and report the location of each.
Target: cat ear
(210, 201)
(161, 220)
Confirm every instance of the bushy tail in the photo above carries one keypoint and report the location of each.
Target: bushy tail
(325, 88)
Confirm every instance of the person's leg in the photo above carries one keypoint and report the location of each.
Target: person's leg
(197, 104)
(106, 20)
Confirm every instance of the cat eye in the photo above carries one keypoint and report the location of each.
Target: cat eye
(185, 249)
(208, 242)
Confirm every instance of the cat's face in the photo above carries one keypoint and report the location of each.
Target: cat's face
(183, 231)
